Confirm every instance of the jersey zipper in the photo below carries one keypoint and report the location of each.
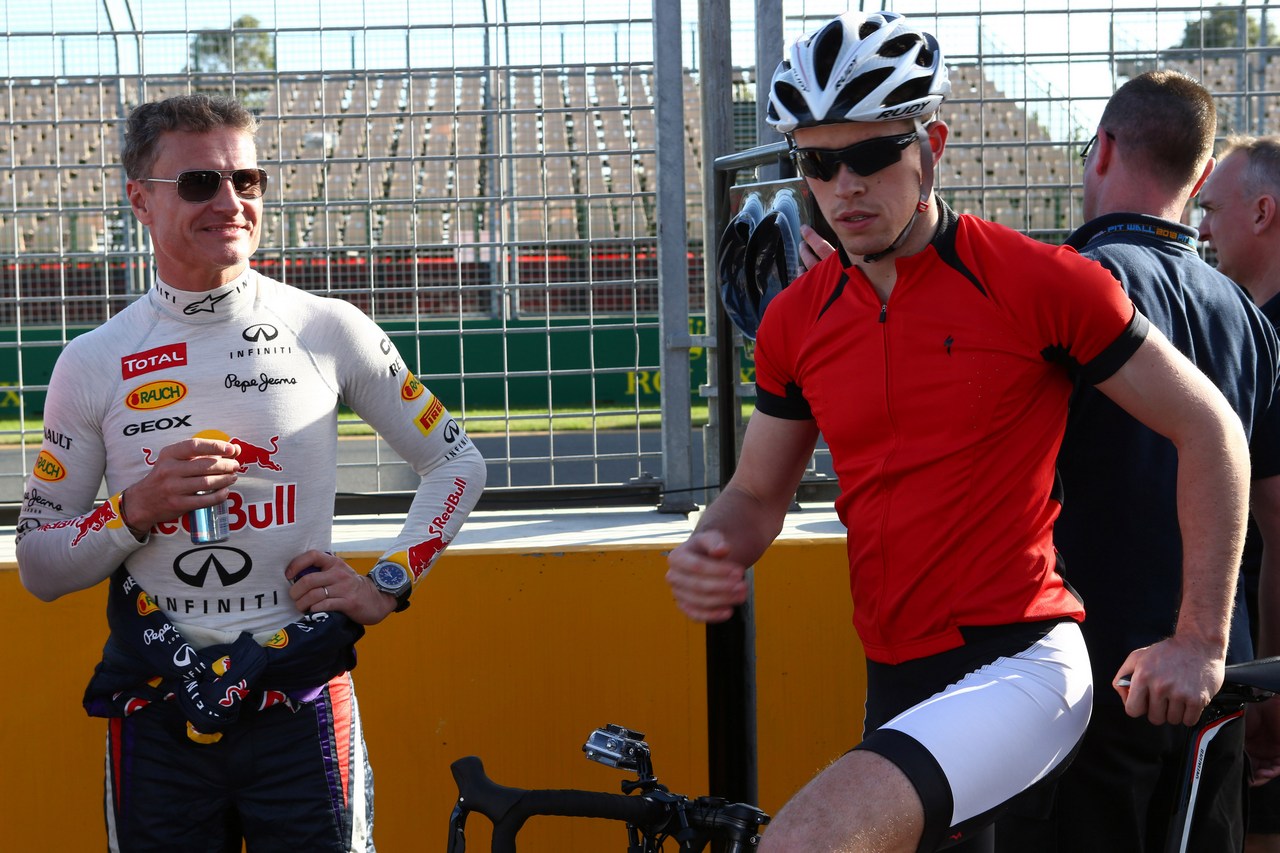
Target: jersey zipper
(884, 464)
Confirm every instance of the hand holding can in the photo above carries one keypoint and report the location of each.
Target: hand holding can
(209, 524)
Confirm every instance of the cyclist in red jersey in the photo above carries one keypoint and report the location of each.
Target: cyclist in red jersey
(935, 353)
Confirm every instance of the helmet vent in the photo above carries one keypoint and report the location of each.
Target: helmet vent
(908, 91)
(826, 49)
(867, 28)
(790, 99)
(898, 45)
(857, 90)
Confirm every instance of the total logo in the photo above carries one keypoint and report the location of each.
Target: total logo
(155, 395)
(157, 358)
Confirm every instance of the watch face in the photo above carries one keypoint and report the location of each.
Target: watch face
(391, 576)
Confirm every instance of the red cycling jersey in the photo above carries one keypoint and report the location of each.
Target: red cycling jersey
(944, 410)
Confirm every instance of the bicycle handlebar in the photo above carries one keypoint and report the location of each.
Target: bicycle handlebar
(509, 808)
(655, 812)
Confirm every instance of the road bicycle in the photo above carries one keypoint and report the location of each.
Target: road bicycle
(652, 814)
(1244, 683)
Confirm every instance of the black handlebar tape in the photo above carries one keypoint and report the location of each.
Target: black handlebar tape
(509, 808)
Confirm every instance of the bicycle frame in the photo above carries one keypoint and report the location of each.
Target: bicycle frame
(1252, 681)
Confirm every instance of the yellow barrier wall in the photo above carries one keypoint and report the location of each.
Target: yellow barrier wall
(515, 657)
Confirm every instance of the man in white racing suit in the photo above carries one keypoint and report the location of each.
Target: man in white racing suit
(225, 678)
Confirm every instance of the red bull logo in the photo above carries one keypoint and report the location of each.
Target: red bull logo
(155, 395)
(422, 555)
(252, 454)
(48, 468)
(430, 415)
(451, 502)
(97, 520)
(280, 510)
(158, 358)
(233, 694)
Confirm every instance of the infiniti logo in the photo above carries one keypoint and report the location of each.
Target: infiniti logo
(260, 332)
(231, 565)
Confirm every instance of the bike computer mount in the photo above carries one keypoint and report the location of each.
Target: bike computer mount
(620, 747)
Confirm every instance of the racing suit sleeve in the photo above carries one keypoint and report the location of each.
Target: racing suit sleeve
(377, 385)
(66, 540)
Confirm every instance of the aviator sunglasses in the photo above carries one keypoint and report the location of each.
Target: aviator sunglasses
(200, 185)
(863, 158)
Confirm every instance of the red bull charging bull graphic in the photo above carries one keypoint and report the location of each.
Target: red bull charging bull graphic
(422, 555)
(280, 509)
(253, 454)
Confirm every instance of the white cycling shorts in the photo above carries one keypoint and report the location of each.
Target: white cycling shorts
(993, 733)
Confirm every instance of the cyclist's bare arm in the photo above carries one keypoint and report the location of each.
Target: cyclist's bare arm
(1174, 680)
(707, 572)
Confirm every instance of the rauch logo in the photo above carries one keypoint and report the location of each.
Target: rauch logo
(48, 468)
(156, 395)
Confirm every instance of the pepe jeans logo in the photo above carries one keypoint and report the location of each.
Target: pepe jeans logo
(261, 382)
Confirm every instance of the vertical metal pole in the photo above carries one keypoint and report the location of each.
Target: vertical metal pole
(731, 706)
(768, 53)
(673, 265)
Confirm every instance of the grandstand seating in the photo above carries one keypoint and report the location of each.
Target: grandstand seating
(471, 158)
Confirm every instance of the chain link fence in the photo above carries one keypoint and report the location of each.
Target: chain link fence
(483, 179)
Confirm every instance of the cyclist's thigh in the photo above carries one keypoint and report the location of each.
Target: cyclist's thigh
(992, 732)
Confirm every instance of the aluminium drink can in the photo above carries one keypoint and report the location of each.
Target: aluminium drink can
(209, 524)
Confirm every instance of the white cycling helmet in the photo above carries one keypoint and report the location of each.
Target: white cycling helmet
(856, 68)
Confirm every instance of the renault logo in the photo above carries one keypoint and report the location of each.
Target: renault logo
(230, 564)
(260, 332)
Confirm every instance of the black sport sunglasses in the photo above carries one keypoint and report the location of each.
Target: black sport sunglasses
(199, 185)
(863, 158)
